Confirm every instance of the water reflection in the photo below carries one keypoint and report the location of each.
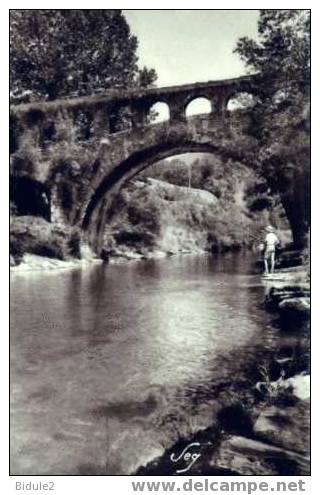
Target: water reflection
(101, 357)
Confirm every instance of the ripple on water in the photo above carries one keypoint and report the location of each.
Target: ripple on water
(125, 355)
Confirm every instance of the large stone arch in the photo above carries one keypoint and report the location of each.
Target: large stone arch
(121, 156)
(99, 209)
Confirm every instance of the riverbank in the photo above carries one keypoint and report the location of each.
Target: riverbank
(154, 219)
(33, 262)
(30, 262)
(263, 429)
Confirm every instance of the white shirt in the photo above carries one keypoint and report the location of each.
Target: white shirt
(271, 240)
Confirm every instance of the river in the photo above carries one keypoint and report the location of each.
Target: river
(109, 362)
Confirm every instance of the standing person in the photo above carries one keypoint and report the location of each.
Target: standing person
(270, 243)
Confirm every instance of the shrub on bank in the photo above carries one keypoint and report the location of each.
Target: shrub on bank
(35, 235)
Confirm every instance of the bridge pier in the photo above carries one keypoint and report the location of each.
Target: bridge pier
(100, 121)
(56, 211)
(139, 114)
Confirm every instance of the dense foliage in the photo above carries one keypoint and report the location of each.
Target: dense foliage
(281, 56)
(282, 52)
(58, 53)
(156, 215)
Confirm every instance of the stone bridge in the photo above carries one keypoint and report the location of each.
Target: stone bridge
(80, 151)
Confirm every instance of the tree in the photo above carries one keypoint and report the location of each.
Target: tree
(280, 119)
(282, 53)
(60, 53)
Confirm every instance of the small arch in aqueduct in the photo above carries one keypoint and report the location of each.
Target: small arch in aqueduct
(198, 106)
(159, 112)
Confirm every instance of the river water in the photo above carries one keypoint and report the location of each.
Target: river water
(109, 362)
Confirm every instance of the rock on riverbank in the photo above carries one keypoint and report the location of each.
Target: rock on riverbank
(289, 295)
(32, 263)
(37, 236)
(266, 439)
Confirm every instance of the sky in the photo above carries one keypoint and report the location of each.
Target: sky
(186, 46)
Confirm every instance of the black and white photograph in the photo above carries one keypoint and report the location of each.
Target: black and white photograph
(160, 244)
